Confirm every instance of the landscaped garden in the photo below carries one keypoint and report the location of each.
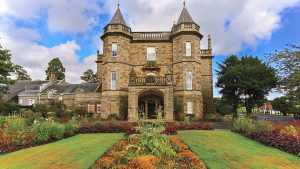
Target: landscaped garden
(224, 149)
(80, 151)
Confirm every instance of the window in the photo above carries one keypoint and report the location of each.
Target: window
(98, 108)
(189, 80)
(114, 47)
(31, 102)
(20, 101)
(189, 107)
(151, 53)
(113, 80)
(91, 108)
(188, 49)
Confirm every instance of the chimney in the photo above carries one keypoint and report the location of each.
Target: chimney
(209, 42)
(53, 79)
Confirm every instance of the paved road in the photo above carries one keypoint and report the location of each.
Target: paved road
(272, 117)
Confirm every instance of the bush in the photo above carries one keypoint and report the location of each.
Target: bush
(113, 117)
(171, 128)
(71, 128)
(262, 126)
(42, 132)
(57, 131)
(2, 120)
(215, 117)
(290, 130)
(243, 126)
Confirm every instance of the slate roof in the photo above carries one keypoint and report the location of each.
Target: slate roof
(74, 88)
(118, 18)
(185, 17)
(19, 87)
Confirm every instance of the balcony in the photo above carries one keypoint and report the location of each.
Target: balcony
(151, 65)
(147, 81)
(151, 35)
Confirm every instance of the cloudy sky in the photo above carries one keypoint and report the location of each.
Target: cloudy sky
(36, 31)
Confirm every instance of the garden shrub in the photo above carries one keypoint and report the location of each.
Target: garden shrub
(113, 117)
(214, 117)
(171, 128)
(57, 131)
(2, 120)
(262, 126)
(71, 128)
(143, 162)
(290, 130)
(243, 126)
(42, 132)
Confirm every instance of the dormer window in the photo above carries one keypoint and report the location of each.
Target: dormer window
(114, 47)
(151, 54)
(188, 49)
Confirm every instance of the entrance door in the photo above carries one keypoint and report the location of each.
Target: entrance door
(151, 109)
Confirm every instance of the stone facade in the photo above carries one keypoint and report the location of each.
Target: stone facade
(175, 79)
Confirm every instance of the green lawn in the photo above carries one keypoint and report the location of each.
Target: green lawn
(223, 149)
(80, 151)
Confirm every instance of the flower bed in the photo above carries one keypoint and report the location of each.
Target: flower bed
(118, 158)
(282, 135)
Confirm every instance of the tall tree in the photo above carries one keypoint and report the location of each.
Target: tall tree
(228, 82)
(245, 80)
(21, 73)
(287, 63)
(6, 68)
(55, 67)
(283, 104)
(89, 76)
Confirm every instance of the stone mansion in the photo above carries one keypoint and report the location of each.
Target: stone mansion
(147, 72)
(139, 74)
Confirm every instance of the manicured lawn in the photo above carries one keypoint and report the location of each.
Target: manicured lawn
(223, 149)
(80, 151)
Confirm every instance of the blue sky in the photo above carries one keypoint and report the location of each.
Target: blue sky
(36, 31)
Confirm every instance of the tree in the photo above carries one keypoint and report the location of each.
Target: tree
(287, 63)
(283, 104)
(21, 73)
(222, 107)
(6, 68)
(245, 80)
(228, 82)
(55, 67)
(89, 76)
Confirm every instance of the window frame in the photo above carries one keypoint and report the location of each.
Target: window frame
(148, 53)
(114, 53)
(113, 77)
(188, 51)
(189, 80)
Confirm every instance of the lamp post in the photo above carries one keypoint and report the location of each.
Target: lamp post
(61, 100)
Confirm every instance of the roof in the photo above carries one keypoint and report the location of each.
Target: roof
(266, 107)
(74, 88)
(19, 86)
(185, 17)
(118, 18)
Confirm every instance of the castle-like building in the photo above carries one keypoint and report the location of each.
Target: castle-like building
(143, 73)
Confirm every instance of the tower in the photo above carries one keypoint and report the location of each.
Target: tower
(113, 67)
(187, 66)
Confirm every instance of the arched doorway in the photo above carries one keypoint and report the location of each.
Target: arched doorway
(151, 103)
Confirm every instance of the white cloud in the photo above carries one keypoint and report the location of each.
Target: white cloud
(232, 24)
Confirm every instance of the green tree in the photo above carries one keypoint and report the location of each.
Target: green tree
(222, 107)
(287, 63)
(283, 104)
(21, 73)
(89, 76)
(6, 68)
(246, 80)
(55, 67)
(228, 82)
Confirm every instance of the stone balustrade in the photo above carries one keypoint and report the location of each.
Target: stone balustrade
(147, 81)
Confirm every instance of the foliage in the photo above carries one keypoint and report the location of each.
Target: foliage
(71, 128)
(89, 76)
(2, 120)
(57, 131)
(9, 108)
(222, 107)
(243, 126)
(262, 126)
(150, 140)
(31, 116)
(238, 78)
(113, 117)
(214, 117)
(21, 73)
(56, 68)
(281, 141)
(42, 132)
(287, 63)
(283, 104)
(290, 130)
(6, 68)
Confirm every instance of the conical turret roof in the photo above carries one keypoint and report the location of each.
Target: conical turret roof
(118, 18)
(185, 17)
